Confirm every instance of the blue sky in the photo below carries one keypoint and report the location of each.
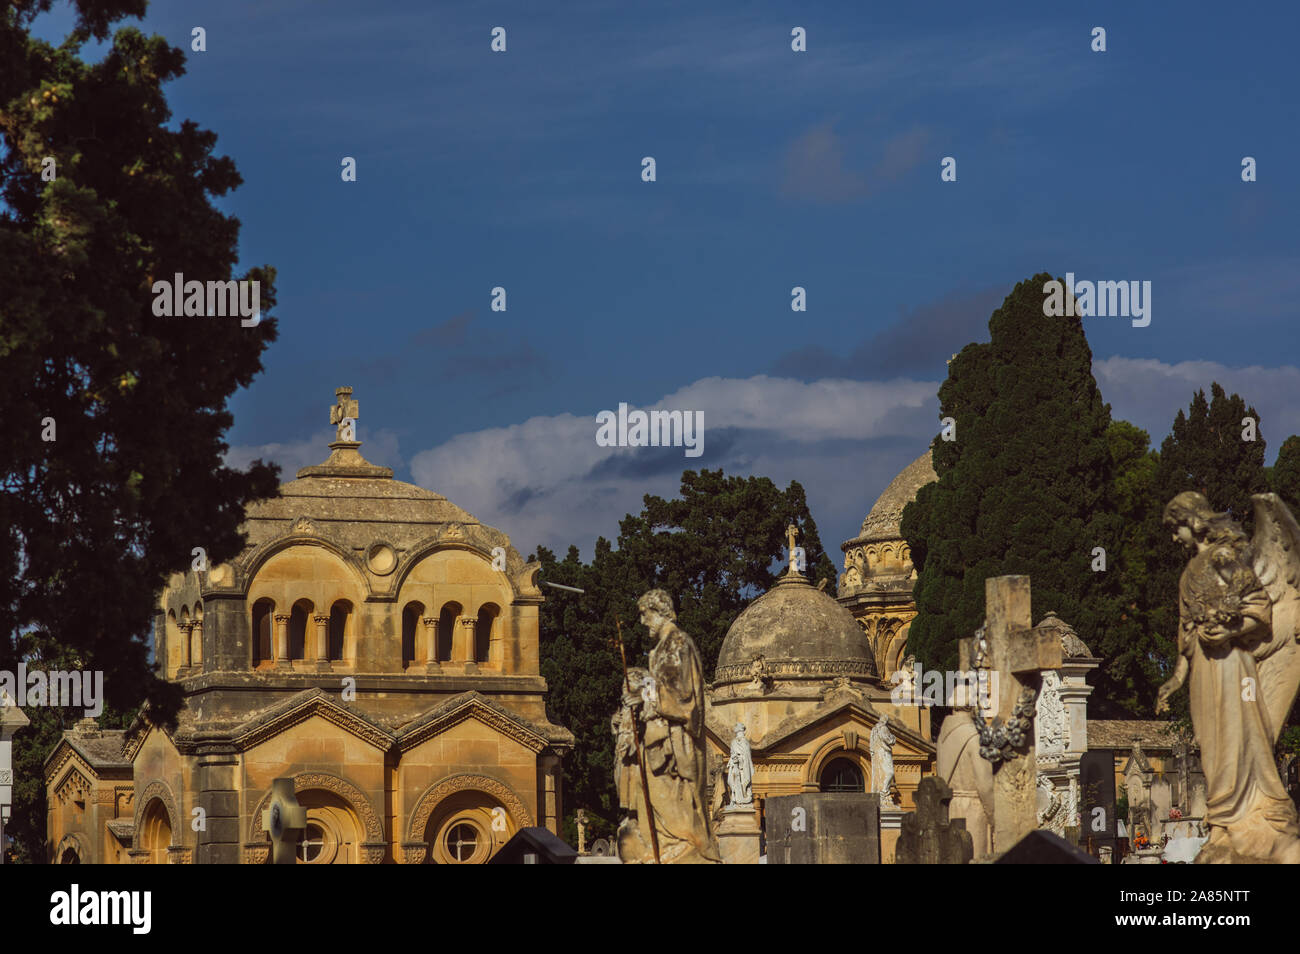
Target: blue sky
(774, 169)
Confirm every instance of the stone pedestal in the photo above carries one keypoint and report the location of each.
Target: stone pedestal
(823, 828)
(738, 835)
(891, 823)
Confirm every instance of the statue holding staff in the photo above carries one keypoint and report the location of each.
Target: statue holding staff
(663, 705)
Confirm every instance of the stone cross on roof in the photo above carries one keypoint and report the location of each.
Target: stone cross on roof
(791, 534)
(344, 414)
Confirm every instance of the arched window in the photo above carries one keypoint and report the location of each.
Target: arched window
(446, 627)
(262, 651)
(302, 611)
(411, 643)
(483, 631)
(841, 775)
(339, 614)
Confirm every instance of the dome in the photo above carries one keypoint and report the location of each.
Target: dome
(800, 633)
(883, 521)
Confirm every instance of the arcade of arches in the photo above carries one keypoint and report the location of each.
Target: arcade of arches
(369, 644)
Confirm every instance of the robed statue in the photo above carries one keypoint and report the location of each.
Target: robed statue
(740, 768)
(1239, 606)
(662, 713)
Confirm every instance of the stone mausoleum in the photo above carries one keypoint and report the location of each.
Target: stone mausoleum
(373, 642)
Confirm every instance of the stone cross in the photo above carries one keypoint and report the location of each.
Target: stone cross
(344, 410)
(1018, 654)
(928, 837)
(285, 821)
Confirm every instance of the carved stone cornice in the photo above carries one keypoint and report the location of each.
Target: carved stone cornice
(798, 669)
(474, 707)
(315, 703)
(74, 787)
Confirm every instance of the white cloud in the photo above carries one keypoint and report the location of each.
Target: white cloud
(1150, 393)
(546, 480)
(379, 448)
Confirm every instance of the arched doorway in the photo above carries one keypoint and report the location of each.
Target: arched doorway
(156, 831)
(841, 775)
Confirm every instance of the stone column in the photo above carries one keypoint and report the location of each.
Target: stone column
(282, 641)
(322, 642)
(218, 795)
(186, 627)
(431, 663)
(195, 636)
(467, 625)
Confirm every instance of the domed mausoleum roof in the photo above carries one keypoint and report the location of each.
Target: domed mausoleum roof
(883, 521)
(799, 632)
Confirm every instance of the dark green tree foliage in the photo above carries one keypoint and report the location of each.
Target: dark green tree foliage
(94, 520)
(1024, 489)
(1205, 451)
(714, 549)
(1284, 475)
(1131, 669)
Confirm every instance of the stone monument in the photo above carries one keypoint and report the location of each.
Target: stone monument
(882, 763)
(12, 718)
(740, 770)
(660, 754)
(739, 831)
(929, 837)
(1018, 654)
(969, 776)
(1239, 613)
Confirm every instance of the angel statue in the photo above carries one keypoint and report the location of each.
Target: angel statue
(1239, 606)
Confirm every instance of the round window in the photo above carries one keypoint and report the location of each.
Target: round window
(312, 844)
(462, 842)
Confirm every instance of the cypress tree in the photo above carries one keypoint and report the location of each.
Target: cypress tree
(1026, 487)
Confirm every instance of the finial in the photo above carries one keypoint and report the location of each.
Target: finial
(344, 416)
(791, 534)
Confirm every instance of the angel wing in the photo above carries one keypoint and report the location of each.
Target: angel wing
(1277, 565)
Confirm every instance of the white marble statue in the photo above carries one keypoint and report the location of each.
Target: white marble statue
(1239, 611)
(882, 763)
(740, 770)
